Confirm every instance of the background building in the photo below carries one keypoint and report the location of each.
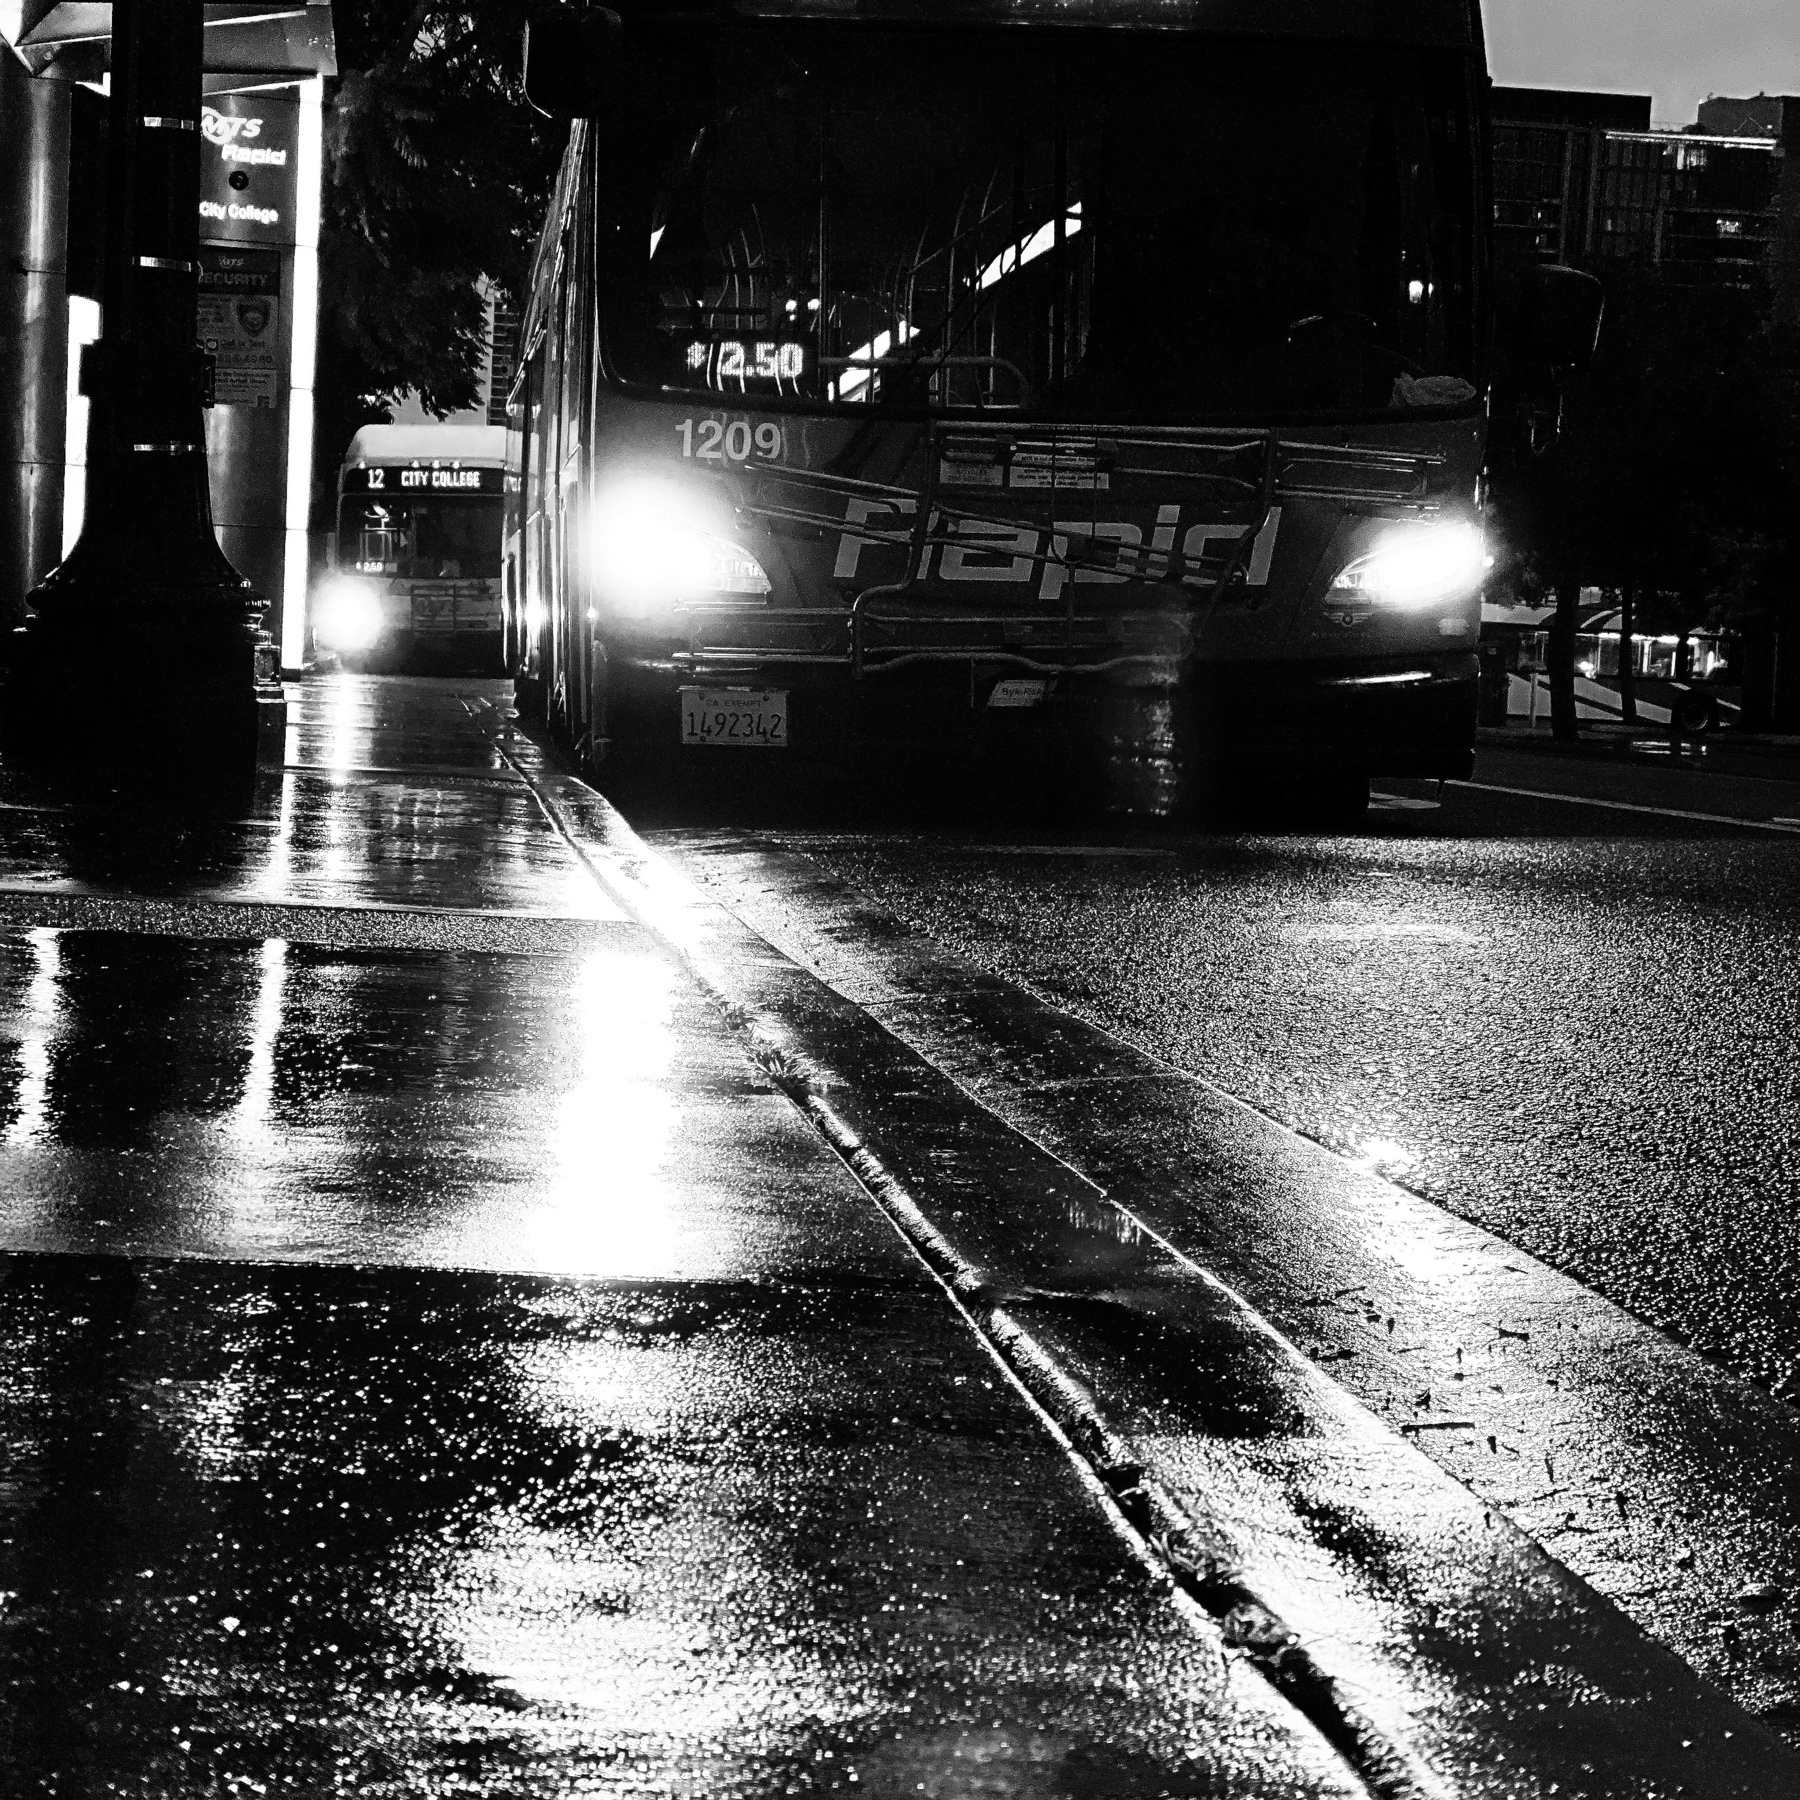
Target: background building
(1671, 487)
(1581, 178)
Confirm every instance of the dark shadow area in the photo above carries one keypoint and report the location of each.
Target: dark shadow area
(1065, 793)
(865, 788)
(157, 827)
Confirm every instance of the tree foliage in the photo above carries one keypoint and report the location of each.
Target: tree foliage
(1678, 474)
(437, 174)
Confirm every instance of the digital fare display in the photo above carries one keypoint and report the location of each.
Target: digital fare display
(417, 478)
(744, 365)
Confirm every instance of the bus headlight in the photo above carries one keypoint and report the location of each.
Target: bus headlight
(348, 615)
(656, 543)
(1414, 566)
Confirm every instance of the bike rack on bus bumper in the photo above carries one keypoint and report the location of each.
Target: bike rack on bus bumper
(1374, 477)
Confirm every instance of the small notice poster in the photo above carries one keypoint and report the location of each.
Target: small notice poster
(240, 309)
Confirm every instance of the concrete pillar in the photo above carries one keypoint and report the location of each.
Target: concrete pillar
(34, 329)
(144, 627)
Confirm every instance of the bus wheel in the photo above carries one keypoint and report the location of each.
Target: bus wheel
(1695, 715)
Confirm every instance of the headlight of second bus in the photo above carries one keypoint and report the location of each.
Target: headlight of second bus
(347, 615)
(655, 543)
(1416, 565)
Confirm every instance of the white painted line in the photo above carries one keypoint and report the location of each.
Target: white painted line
(1787, 828)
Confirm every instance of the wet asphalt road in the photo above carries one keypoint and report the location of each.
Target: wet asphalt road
(1570, 1023)
(436, 1359)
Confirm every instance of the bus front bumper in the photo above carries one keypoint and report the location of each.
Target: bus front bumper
(1387, 716)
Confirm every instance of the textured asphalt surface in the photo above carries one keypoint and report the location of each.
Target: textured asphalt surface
(1568, 1023)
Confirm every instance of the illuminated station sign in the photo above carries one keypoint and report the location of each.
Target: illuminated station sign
(249, 164)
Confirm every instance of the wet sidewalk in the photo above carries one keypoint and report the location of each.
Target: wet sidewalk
(386, 1017)
(435, 1360)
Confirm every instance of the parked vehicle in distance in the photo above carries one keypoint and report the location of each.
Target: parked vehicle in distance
(414, 575)
(1687, 684)
(942, 368)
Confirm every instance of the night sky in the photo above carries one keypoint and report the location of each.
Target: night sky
(1677, 51)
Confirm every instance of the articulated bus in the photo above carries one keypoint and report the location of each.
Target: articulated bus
(1110, 370)
(415, 569)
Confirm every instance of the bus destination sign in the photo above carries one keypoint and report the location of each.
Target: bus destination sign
(421, 478)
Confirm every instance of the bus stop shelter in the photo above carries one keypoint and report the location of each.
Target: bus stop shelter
(264, 71)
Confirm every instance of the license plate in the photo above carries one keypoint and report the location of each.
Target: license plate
(735, 718)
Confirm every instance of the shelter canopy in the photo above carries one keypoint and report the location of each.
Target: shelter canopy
(246, 41)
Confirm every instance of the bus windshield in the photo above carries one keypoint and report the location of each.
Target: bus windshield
(1084, 227)
(433, 539)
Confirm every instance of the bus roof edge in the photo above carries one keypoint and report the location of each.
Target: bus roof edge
(428, 443)
(1448, 24)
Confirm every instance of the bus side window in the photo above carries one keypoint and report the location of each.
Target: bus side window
(518, 450)
(532, 499)
(552, 585)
